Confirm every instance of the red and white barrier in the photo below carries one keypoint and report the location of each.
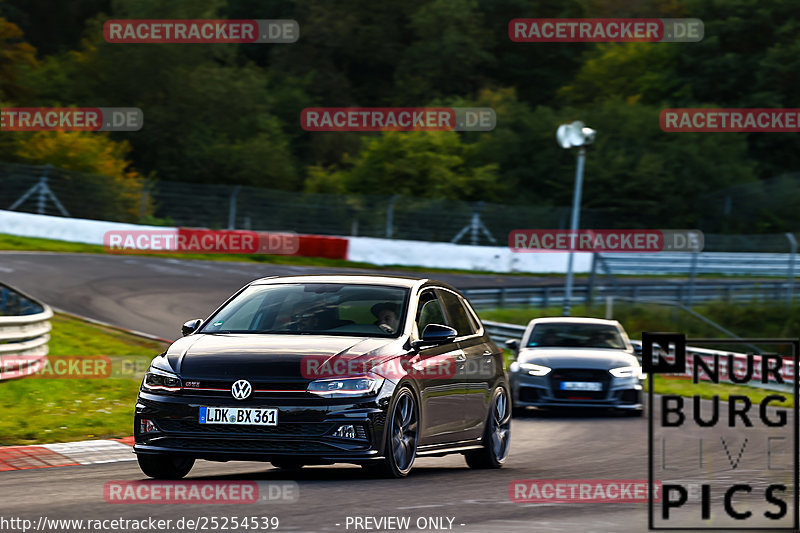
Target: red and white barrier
(384, 252)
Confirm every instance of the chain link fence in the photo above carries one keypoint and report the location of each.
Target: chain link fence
(53, 191)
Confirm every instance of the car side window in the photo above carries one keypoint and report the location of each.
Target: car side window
(457, 314)
(429, 311)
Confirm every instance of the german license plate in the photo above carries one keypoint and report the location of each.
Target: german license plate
(239, 415)
(581, 385)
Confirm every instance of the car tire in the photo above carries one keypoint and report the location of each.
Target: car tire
(288, 465)
(165, 466)
(400, 437)
(496, 435)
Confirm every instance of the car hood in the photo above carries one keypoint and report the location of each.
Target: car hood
(596, 358)
(265, 356)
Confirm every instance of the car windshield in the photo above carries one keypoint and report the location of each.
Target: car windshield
(314, 309)
(564, 335)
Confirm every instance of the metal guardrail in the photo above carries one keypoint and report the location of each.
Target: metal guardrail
(24, 333)
(553, 295)
(501, 332)
(739, 263)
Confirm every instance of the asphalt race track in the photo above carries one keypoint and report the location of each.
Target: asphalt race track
(156, 295)
(544, 446)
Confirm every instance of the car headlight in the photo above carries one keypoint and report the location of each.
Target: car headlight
(345, 387)
(535, 370)
(626, 372)
(157, 380)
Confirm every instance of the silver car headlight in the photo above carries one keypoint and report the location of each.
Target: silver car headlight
(626, 372)
(535, 370)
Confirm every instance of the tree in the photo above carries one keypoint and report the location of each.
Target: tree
(102, 184)
(15, 57)
(423, 164)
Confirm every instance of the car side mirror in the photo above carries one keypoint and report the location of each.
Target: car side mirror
(513, 345)
(436, 334)
(191, 326)
(637, 351)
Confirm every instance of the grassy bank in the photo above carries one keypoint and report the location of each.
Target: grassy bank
(30, 244)
(57, 410)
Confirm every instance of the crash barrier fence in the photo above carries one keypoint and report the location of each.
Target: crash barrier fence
(55, 191)
(683, 292)
(24, 333)
(501, 332)
(388, 252)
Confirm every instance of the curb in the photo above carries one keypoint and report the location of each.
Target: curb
(85, 452)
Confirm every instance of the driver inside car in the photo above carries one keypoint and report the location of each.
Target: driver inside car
(386, 313)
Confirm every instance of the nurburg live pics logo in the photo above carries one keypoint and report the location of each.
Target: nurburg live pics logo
(722, 465)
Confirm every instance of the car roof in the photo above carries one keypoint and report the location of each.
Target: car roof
(355, 279)
(573, 320)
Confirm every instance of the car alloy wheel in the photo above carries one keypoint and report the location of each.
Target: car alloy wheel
(402, 430)
(497, 435)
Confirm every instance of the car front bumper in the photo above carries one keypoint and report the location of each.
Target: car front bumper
(533, 391)
(304, 431)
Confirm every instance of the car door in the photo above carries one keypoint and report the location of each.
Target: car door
(476, 373)
(435, 368)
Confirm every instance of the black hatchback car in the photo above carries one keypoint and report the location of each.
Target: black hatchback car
(371, 370)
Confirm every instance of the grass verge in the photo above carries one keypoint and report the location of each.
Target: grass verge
(37, 411)
(30, 244)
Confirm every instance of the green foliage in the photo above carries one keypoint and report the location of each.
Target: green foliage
(424, 164)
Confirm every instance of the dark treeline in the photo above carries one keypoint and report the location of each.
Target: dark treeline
(230, 113)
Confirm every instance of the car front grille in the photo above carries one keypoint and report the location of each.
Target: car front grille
(281, 430)
(261, 389)
(560, 375)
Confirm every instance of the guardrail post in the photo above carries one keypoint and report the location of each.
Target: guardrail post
(546, 297)
(502, 299)
(609, 307)
(590, 286)
(390, 216)
(790, 276)
(692, 274)
(232, 207)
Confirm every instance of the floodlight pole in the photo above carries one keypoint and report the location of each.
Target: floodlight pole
(576, 210)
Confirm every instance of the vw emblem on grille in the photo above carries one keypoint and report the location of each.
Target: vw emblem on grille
(241, 389)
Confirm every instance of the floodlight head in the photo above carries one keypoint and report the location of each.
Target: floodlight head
(575, 134)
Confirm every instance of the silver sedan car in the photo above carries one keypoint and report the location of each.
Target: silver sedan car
(576, 362)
